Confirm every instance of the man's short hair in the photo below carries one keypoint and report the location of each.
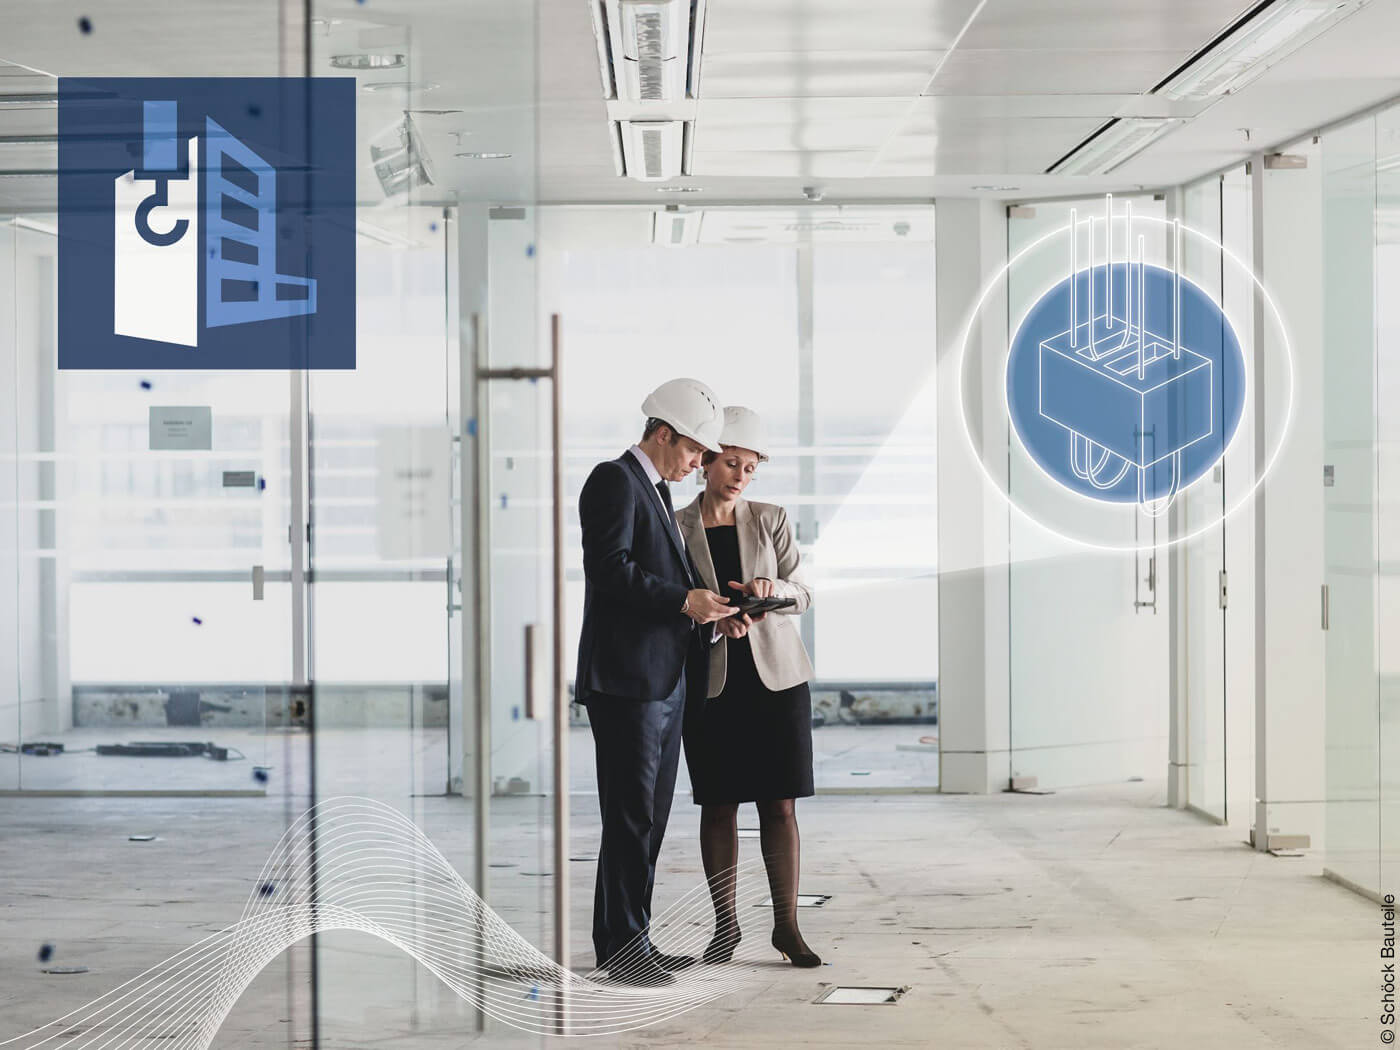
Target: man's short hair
(654, 424)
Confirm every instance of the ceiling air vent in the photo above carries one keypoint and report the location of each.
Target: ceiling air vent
(673, 227)
(651, 149)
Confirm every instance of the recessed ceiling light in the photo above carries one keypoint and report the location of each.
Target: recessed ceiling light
(482, 156)
(680, 189)
(368, 60)
(401, 85)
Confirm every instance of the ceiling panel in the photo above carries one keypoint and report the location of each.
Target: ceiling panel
(733, 26)
(1180, 25)
(804, 164)
(804, 74)
(794, 92)
(1052, 72)
(754, 137)
(925, 112)
(1017, 146)
(728, 125)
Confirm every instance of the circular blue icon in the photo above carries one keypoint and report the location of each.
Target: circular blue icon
(1129, 389)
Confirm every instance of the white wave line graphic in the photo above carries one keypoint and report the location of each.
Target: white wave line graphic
(355, 864)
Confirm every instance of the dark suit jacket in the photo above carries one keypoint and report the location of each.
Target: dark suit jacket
(635, 639)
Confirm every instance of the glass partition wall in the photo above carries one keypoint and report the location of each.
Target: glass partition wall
(145, 709)
(1308, 595)
(1386, 493)
(1088, 627)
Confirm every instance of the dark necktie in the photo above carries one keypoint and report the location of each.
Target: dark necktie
(665, 491)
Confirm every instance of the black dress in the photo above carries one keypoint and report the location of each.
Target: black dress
(749, 744)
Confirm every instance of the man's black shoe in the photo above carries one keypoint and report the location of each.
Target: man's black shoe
(672, 963)
(643, 971)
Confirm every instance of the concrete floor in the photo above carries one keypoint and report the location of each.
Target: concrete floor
(1089, 918)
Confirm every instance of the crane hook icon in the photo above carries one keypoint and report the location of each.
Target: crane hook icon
(159, 198)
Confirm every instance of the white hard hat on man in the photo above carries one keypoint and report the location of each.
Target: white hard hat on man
(688, 407)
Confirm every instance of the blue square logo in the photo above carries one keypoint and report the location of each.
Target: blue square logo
(206, 223)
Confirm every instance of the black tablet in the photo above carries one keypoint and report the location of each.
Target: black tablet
(751, 606)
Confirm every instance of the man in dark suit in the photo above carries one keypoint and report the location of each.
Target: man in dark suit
(642, 607)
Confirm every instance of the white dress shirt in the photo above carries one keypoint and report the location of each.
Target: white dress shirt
(654, 476)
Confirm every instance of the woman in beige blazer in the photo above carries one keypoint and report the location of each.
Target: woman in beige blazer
(750, 740)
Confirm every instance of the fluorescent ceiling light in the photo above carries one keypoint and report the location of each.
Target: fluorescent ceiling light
(650, 49)
(672, 228)
(652, 149)
(1269, 33)
(1119, 141)
(1254, 45)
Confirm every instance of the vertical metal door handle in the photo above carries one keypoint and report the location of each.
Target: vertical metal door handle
(259, 578)
(1326, 608)
(532, 631)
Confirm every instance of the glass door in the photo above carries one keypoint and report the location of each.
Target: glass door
(515, 513)
(1089, 624)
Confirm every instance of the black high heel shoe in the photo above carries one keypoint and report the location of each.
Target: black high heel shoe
(795, 950)
(722, 945)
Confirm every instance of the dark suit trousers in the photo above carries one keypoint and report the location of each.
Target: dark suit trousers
(638, 746)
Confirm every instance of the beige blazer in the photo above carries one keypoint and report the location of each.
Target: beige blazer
(766, 549)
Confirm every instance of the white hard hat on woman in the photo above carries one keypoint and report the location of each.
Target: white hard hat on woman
(688, 407)
(744, 429)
